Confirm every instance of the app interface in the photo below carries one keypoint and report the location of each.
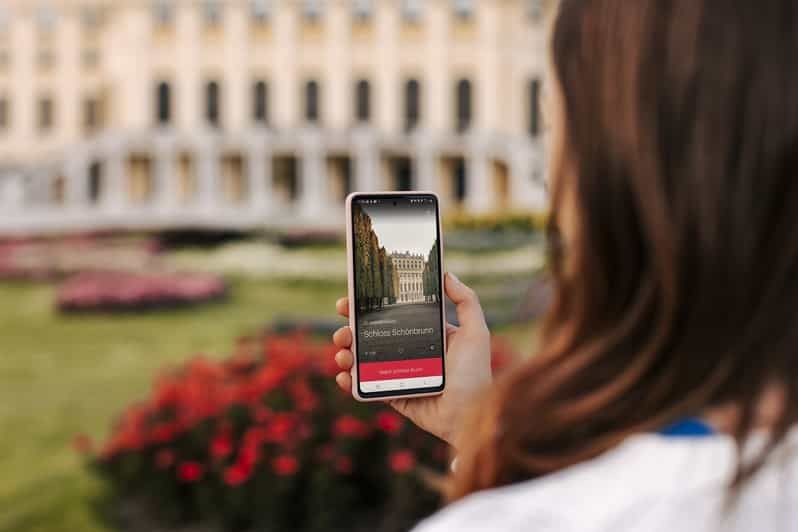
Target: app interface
(397, 277)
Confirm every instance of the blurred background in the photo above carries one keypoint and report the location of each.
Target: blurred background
(172, 178)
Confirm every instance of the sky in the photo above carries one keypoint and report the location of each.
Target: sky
(404, 228)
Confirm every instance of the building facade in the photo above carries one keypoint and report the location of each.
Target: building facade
(408, 277)
(243, 113)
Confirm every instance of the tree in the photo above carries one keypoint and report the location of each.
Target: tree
(432, 276)
(376, 271)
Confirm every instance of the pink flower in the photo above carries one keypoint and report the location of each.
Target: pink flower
(402, 461)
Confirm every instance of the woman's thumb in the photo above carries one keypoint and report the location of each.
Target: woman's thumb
(469, 311)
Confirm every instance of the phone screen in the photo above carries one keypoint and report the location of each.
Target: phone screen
(398, 294)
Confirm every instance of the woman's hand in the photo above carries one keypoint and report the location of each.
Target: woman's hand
(467, 365)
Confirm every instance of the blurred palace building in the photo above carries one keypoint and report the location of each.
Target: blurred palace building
(251, 113)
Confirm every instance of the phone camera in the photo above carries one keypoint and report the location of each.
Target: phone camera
(394, 204)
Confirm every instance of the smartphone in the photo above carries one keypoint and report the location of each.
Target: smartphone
(396, 308)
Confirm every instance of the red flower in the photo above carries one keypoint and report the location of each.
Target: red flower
(237, 474)
(260, 413)
(402, 461)
(190, 471)
(350, 427)
(164, 458)
(280, 428)
(221, 445)
(389, 422)
(343, 464)
(249, 454)
(83, 444)
(285, 465)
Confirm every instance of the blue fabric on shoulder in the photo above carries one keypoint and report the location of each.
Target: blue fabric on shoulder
(688, 428)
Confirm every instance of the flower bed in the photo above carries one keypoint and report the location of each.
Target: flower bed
(266, 441)
(120, 291)
(52, 258)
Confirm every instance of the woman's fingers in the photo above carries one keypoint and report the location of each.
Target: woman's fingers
(344, 359)
(469, 311)
(342, 307)
(344, 380)
(343, 337)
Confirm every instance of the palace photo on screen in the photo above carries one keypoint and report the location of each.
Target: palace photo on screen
(397, 281)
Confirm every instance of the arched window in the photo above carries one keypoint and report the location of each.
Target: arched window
(312, 101)
(260, 103)
(363, 101)
(463, 90)
(412, 104)
(212, 103)
(163, 109)
(534, 107)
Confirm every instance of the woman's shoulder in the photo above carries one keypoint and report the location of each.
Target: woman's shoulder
(647, 483)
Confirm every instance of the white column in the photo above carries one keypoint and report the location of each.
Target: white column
(207, 157)
(165, 176)
(313, 186)
(527, 176)
(76, 172)
(366, 162)
(424, 164)
(480, 193)
(113, 188)
(259, 176)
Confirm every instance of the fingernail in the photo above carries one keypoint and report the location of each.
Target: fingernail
(454, 278)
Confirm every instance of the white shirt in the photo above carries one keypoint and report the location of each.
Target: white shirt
(649, 483)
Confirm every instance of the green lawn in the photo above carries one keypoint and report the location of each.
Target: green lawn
(60, 376)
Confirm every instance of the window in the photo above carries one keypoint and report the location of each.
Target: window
(534, 107)
(45, 58)
(163, 109)
(260, 102)
(464, 9)
(463, 97)
(45, 118)
(412, 104)
(91, 17)
(534, 9)
(362, 9)
(311, 10)
(5, 119)
(362, 101)
(92, 118)
(261, 10)
(90, 57)
(45, 19)
(163, 12)
(312, 101)
(212, 12)
(212, 104)
(411, 10)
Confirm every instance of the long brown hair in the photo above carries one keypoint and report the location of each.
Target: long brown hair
(679, 289)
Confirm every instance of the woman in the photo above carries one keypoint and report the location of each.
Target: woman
(665, 389)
